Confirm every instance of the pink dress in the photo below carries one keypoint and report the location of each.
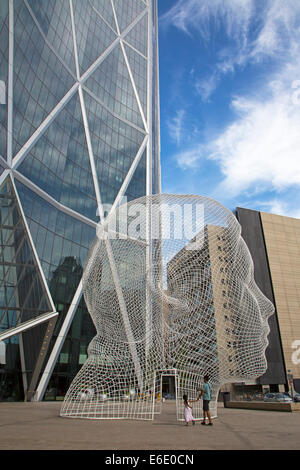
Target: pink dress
(188, 414)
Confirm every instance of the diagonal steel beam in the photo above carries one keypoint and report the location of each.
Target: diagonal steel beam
(27, 325)
(58, 345)
(134, 88)
(130, 174)
(17, 160)
(115, 16)
(32, 246)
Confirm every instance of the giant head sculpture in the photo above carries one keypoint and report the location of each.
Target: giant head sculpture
(169, 284)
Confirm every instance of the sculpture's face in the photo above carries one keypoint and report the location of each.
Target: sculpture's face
(223, 317)
(251, 310)
(216, 318)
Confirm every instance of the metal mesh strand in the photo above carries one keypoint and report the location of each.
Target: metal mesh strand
(169, 284)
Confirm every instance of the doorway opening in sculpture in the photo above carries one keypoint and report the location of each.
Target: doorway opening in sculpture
(181, 383)
(165, 380)
(168, 387)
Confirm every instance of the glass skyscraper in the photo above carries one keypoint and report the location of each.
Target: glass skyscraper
(79, 131)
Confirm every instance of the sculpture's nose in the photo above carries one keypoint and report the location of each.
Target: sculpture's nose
(265, 305)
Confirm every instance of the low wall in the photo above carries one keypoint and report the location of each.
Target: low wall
(262, 405)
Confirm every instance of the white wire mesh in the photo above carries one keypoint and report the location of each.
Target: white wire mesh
(169, 284)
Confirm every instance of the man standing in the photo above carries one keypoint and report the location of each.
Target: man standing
(205, 393)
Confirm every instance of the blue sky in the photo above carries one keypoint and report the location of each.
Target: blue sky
(230, 101)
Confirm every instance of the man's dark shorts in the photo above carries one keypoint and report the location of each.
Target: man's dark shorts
(205, 405)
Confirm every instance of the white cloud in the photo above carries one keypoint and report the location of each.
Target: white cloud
(280, 30)
(190, 15)
(294, 214)
(190, 158)
(279, 207)
(206, 17)
(276, 33)
(260, 150)
(276, 207)
(262, 146)
(276, 21)
(175, 126)
(206, 87)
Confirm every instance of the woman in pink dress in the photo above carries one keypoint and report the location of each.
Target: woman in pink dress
(188, 410)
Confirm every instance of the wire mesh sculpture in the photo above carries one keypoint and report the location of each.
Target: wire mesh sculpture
(169, 284)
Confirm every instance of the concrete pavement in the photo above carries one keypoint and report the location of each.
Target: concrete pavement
(32, 426)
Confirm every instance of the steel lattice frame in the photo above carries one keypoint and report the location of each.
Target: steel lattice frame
(12, 162)
(169, 284)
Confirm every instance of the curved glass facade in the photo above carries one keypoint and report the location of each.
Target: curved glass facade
(79, 130)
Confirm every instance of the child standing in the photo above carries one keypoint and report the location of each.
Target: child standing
(188, 410)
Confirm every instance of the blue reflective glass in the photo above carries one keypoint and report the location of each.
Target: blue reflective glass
(59, 162)
(34, 60)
